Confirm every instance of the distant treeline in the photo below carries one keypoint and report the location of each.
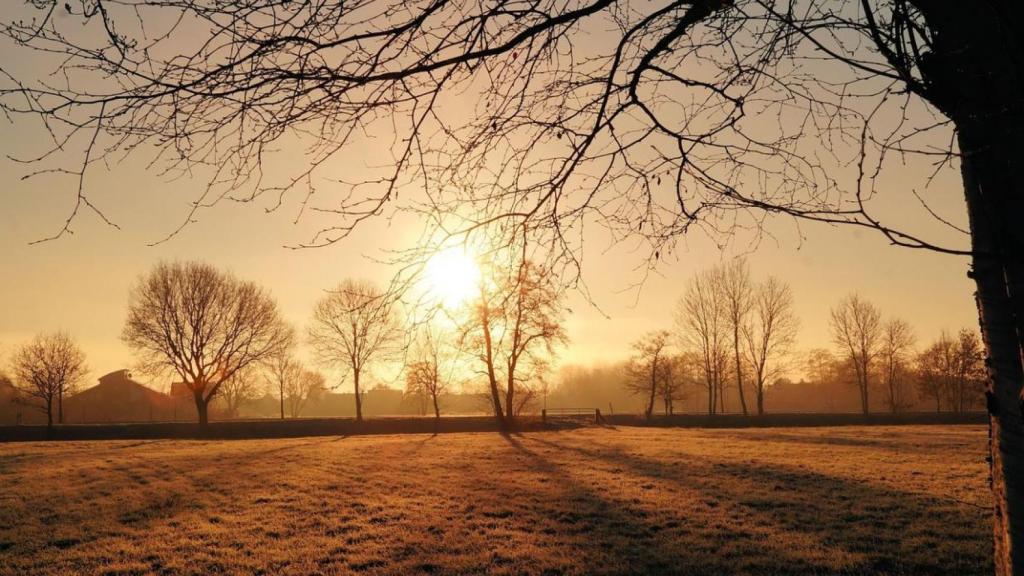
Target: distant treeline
(729, 350)
(732, 345)
(119, 399)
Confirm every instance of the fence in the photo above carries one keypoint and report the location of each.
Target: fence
(571, 414)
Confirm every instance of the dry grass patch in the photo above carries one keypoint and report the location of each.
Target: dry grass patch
(874, 500)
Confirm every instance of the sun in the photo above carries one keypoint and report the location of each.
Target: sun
(452, 276)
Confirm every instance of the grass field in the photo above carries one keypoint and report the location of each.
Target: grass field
(850, 500)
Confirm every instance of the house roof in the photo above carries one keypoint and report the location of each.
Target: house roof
(119, 385)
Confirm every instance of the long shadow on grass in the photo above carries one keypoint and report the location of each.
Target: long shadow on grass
(621, 535)
(898, 532)
(828, 439)
(876, 443)
(623, 542)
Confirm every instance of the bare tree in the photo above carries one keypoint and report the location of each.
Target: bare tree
(770, 333)
(649, 131)
(513, 327)
(424, 378)
(823, 369)
(970, 373)
(532, 385)
(702, 325)
(952, 369)
(857, 331)
(478, 331)
(896, 347)
(820, 364)
(203, 325)
(242, 387)
(299, 391)
(736, 290)
(354, 326)
(421, 377)
(936, 366)
(283, 370)
(533, 327)
(47, 368)
(650, 353)
(673, 374)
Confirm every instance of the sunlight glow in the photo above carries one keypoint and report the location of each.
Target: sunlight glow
(452, 276)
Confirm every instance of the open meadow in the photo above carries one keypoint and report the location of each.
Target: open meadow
(844, 500)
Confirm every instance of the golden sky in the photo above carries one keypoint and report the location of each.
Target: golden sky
(80, 282)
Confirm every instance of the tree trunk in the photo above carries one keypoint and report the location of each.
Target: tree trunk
(654, 390)
(496, 401)
(993, 201)
(282, 402)
(60, 404)
(739, 368)
(437, 409)
(202, 410)
(492, 378)
(760, 397)
(862, 383)
(510, 393)
(359, 398)
(974, 73)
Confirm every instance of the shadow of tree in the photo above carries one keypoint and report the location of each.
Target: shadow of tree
(584, 502)
(886, 531)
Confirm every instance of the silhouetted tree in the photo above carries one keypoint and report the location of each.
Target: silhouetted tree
(822, 369)
(701, 323)
(650, 354)
(300, 390)
(283, 371)
(477, 336)
(204, 325)
(353, 327)
(735, 288)
(951, 369)
(770, 333)
(532, 328)
(513, 326)
(423, 376)
(970, 374)
(652, 130)
(935, 365)
(47, 368)
(857, 331)
(672, 376)
(242, 387)
(896, 346)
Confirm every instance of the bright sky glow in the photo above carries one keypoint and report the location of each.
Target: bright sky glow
(452, 276)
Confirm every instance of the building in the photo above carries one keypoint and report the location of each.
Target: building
(17, 407)
(118, 398)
